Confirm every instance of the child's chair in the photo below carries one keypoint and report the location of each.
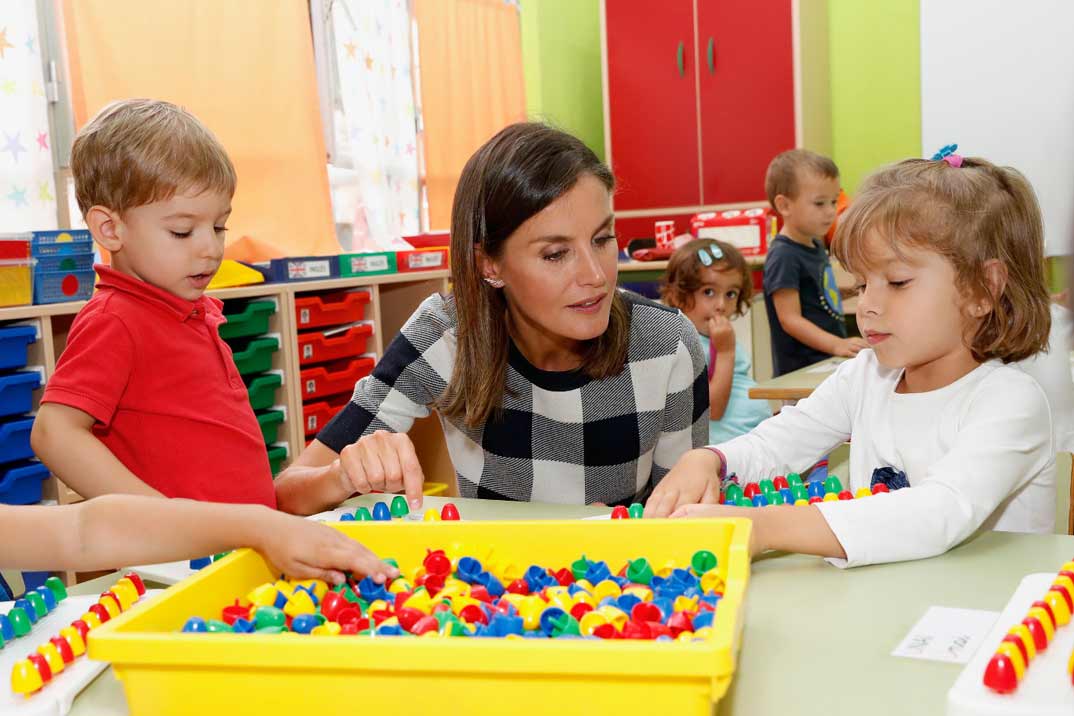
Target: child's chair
(1064, 503)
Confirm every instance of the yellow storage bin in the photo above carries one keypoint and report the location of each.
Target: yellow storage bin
(168, 673)
(16, 282)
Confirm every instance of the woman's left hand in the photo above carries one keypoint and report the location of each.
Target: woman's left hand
(695, 478)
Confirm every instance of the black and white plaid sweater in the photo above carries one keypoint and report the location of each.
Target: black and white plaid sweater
(563, 437)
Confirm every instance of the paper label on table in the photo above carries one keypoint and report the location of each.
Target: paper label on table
(947, 634)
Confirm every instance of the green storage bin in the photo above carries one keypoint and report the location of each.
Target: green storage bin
(276, 455)
(270, 424)
(252, 320)
(256, 355)
(371, 264)
(262, 390)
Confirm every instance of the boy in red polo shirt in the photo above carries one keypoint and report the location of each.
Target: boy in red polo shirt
(146, 398)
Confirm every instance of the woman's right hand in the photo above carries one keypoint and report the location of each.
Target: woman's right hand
(383, 461)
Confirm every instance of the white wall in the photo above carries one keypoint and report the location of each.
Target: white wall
(997, 77)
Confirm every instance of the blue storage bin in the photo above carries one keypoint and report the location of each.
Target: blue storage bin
(60, 286)
(66, 263)
(15, 439)
(69, 241)
(13, 343)
(17, 391)
(303, 268)
(21, 482)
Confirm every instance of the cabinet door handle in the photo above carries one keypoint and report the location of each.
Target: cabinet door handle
(680, 59)
(710, 56)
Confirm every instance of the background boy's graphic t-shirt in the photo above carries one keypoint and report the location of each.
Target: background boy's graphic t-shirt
(806, 270)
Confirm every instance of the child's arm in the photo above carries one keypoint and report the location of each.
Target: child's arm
(787, 528)
(789, 441)
(722, 337)
(1003, 443)
(121, 530)
(789, 311)
(63, 439)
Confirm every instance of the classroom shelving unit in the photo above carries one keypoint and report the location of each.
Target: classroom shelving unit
(394, 297)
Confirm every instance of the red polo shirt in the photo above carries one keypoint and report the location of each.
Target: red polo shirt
(151, 368)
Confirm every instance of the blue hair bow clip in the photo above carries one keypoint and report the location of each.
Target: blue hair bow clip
(704, 254)
(947, 154)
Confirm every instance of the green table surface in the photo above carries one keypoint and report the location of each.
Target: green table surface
(817, 639)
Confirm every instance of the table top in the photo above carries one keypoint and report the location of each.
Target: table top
(797, 384)
(817, 639)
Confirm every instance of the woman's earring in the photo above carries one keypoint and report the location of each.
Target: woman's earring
(494, 282)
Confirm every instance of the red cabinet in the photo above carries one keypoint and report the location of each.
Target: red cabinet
(652, 85)
(747, 94)
(696, 133)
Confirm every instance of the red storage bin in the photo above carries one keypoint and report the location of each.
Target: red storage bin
(432, 240)
(331, 309)
(334, 378)
(750, 230)
(317, 414)
(421, 260)
(317, 347)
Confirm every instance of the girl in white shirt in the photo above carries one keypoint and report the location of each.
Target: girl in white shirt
(948, 254)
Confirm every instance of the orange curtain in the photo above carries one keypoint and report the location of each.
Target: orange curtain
(246, 69)
(471, 86)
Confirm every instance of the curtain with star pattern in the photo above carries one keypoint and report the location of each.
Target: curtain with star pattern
(27, 182)
(375, 165)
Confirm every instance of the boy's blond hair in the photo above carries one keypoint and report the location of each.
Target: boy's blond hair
(138, 151)
(969, 215)
(783, 172)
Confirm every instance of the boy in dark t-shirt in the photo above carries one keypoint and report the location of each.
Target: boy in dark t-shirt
(805, 313)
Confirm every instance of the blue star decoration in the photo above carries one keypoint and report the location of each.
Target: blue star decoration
(18, 196)
(13, 145)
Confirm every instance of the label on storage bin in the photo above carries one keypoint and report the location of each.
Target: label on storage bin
(307, 350)
(309, 269)
(430, 259)
(311, 423)
(361, 264)
(311, 385)
(304, 315)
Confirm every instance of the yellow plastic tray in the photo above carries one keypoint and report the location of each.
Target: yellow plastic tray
(165, 672)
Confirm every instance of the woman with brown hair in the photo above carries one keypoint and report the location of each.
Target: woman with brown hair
(551, 384)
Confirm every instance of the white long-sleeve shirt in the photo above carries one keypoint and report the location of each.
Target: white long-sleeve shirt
(1052, 371)
(977, 453)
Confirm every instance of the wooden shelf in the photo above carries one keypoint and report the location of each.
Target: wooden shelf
(17, 313)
